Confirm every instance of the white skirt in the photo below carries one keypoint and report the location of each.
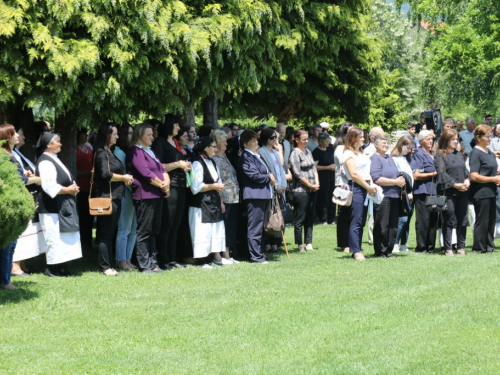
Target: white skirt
(31, 243)
(61, 247)
(206, 237)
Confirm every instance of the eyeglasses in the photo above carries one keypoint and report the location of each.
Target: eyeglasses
(130, 133)
(213, 146)
(273, 137)
(487, 136)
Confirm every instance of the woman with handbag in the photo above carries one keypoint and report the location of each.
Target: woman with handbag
(424, 174)
(453, 182)
(57, 207)
(357, 170)
(206, 209)
(256, 184)
(150, 188)
(344, 212)
(174, 161)
(305, 184)
(325, 164)
(384, 173)
(483, 189)
(401, 154)
(230, 195)
(110, 180)
(271, 157)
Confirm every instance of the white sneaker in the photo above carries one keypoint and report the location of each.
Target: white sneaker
(206, 266)
(404, 248)
(234, 261)
(395, 249)
(226, 262)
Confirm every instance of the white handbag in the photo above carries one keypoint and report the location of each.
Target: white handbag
(342, 196)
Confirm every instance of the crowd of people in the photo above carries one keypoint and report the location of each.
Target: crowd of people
(170, 197)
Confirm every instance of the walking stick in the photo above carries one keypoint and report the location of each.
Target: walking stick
(284, 243)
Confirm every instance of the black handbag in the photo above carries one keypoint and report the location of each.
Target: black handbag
(436, 203)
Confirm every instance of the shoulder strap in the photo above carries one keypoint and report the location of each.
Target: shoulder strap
(92, 178)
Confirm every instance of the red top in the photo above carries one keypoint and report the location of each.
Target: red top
(84, 164)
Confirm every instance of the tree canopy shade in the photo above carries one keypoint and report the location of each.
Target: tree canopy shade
(106, 60)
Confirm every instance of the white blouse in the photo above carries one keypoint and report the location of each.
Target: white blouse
(48, 174)
(197, 169)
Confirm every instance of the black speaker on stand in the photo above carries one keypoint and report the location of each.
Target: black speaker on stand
(434, 121)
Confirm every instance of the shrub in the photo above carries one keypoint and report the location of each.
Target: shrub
(16, 204)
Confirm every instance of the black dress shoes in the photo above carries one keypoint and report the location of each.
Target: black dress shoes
(48, 273)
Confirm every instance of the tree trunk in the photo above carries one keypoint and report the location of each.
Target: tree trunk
(210, 111)
(64, 126)
(18, 115)
(189, 115)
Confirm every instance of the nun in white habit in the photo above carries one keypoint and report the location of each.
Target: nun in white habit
(57, 208)
(206, 221)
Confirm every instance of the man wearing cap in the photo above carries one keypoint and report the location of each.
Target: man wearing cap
(312, 143)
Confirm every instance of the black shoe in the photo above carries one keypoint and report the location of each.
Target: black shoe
(389, 255)
(166, 267)
(176, 265)
(50, 274)
(66, 272)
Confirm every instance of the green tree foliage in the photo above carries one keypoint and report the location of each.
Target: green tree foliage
(464, 53)
(16, 204)
(107, 60)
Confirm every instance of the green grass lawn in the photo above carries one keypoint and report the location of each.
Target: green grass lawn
(317, 312)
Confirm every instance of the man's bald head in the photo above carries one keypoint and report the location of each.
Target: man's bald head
(374, 132)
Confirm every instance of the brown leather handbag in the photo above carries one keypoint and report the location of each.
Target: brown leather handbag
(100, 206)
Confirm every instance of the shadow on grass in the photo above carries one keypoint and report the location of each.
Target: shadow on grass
(18, 296)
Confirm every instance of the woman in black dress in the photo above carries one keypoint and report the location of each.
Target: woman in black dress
(110, 178)
(174, 161)
(483, 190)
(452, 181)
(325, 165)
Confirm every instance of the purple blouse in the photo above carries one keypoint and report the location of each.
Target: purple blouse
(144, 169)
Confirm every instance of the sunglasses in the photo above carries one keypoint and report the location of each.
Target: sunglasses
(273, 137)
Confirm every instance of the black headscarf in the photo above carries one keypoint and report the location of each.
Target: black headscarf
(43, 141)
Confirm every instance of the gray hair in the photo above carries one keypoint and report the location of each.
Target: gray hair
(218, 135)
(381, 137)
(468, 120)
(323, 137)
(423, 134)
(373, 130)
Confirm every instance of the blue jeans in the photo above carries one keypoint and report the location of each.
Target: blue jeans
(6, 256)
(358, 218)
(404, 229)
(127, 229)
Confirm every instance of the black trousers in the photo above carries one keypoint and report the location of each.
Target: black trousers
(106, 228)
(456, 216)
(171, 217)
(484, 226)
(256, 209)
(303, 216)
(325, 208)
(385, 228)
(148, 213)
(231, 223)
(184, 243)
(426, 225)
(86, 219)
(343, 221)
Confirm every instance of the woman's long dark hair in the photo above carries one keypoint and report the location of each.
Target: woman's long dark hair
(341, 134)
(203, 143)
(122, 140)
(103, 136)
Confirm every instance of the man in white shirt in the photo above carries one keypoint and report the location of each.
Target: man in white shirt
(312, 143)
(370, 149)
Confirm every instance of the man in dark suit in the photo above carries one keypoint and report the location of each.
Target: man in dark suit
(256, 184)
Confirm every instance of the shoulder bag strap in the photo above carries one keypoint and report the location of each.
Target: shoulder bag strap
(92, 176)
(110, 192)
